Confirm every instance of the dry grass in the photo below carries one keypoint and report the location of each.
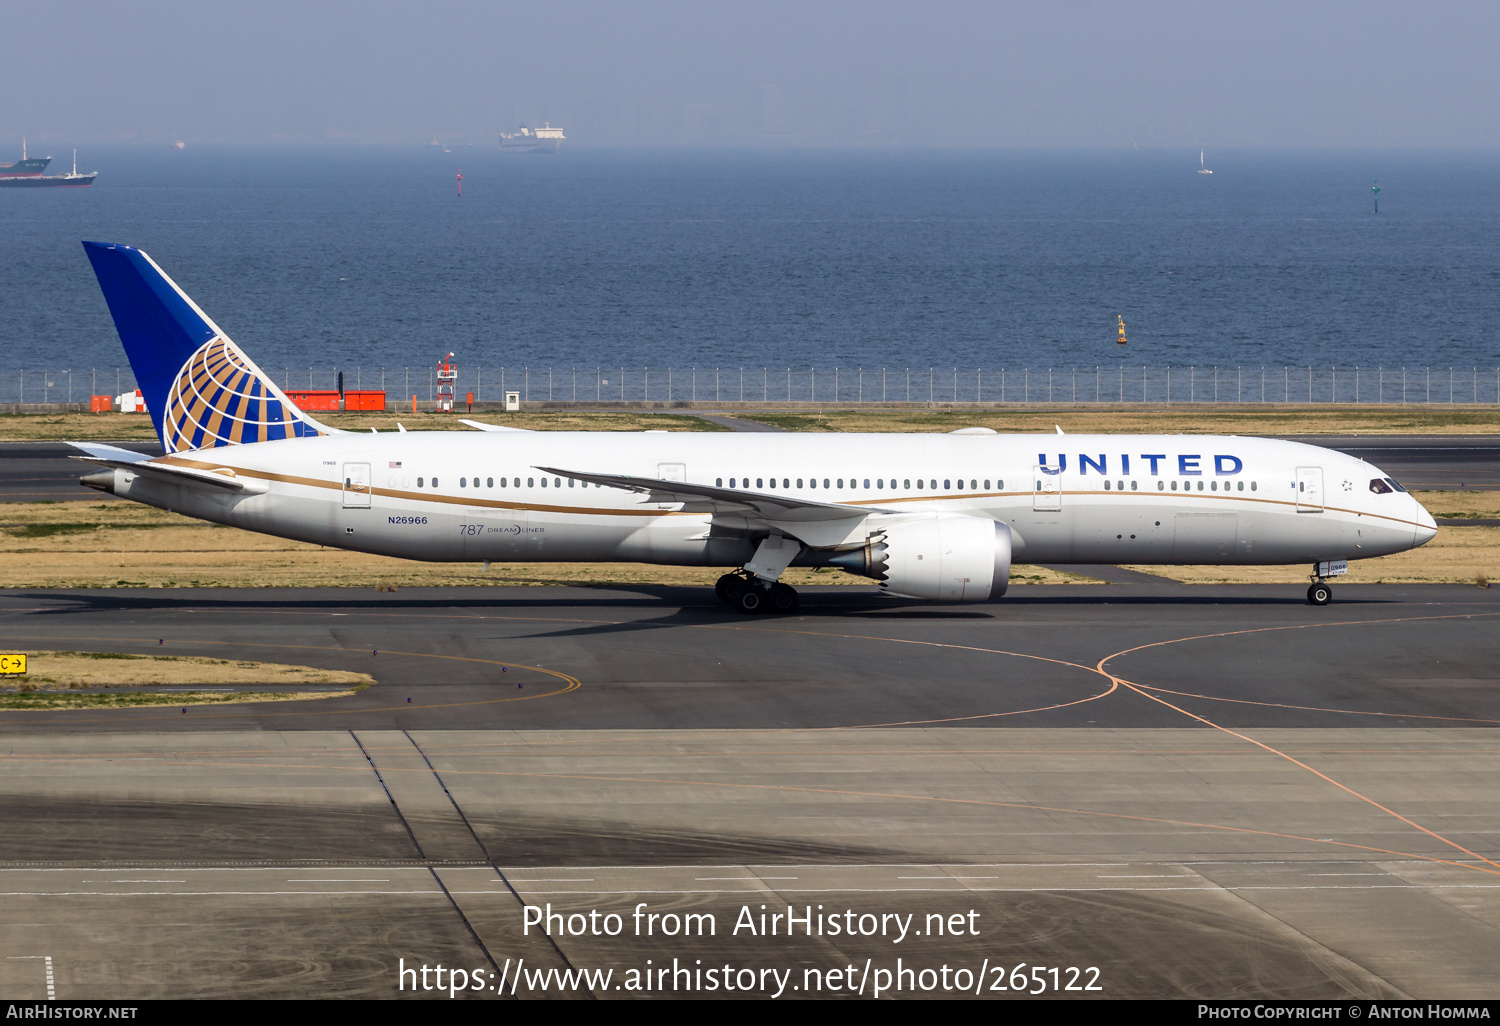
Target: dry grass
(1461, 505)
(53, 680)
(116, 669)
(1458, 555)
(1204, 420)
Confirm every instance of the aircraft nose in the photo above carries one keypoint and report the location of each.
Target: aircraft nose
(1426, 528)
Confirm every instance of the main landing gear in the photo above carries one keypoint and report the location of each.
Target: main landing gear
(1319, 594)
(749, 594)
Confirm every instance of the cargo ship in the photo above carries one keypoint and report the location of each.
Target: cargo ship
(26, 167)
(30, 176)
(533, 140)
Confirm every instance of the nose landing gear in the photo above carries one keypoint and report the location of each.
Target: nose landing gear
(1320, 593)
(749, 594)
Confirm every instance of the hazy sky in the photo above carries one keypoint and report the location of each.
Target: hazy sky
(757, 73)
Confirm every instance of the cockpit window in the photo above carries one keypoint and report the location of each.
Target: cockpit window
(1379, 487)
(1392, 482)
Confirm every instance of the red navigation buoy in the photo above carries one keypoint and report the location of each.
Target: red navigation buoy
(460, 184)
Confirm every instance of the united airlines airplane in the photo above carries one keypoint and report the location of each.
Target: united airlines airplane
(926, 516)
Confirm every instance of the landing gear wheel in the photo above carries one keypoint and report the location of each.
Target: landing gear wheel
(724, 587)
(1319, 594)
(749, 598)
(784, 598)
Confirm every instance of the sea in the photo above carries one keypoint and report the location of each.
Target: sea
(368, 260)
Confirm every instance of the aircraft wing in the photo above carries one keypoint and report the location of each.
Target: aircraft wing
(479, 425)
(700, 498)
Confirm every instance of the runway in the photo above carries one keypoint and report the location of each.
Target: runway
(1195, 790)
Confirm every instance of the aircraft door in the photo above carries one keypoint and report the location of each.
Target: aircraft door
(1047, 496)
(671, 472)
(356, 486)
(1309, 489)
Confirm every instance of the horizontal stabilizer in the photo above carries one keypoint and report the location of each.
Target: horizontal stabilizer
(702, 498)
(113, 453)
(221, 478)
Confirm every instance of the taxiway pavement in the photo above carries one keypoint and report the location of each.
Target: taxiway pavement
(1197, 790)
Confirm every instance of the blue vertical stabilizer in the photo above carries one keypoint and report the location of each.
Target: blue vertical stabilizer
(200, 388)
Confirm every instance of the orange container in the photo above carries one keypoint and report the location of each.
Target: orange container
(100, 403)
(314, 399)
(364, 401)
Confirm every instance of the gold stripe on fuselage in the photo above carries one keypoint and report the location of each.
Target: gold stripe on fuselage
(475, 502)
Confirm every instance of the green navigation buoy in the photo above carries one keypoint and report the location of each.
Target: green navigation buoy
(1376, 190)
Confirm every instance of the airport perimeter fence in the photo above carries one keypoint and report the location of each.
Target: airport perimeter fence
(842, 385)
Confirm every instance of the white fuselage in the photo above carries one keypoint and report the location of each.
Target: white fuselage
(477, 496)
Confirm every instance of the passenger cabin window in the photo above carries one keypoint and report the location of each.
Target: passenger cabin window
(489, 482)
(434, 482)
(419, 482)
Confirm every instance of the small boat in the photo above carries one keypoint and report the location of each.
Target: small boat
(1202, 169)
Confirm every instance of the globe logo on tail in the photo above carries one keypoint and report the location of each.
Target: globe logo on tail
(221, 398)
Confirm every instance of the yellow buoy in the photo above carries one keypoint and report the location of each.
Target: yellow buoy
(1121, 339)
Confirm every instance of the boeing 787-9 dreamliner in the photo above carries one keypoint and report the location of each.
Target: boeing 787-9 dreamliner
(927, 516)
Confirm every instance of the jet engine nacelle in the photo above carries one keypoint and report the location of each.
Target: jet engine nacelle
(947, 557)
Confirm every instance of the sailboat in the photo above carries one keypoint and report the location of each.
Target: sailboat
(1202, 170)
